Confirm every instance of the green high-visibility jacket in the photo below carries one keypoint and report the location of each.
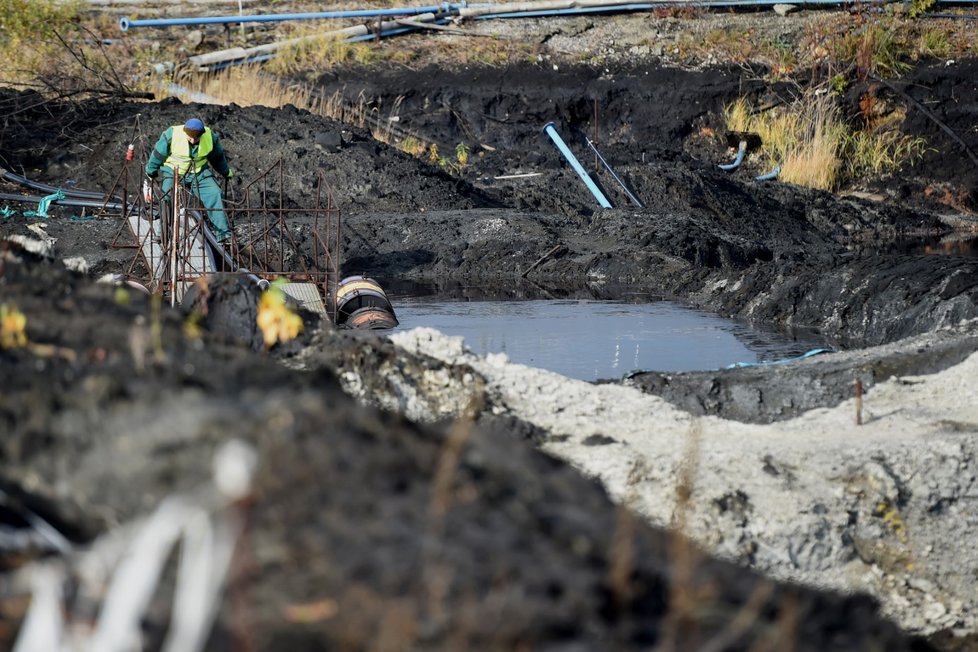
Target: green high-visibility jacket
(174, 150)
(180, 157)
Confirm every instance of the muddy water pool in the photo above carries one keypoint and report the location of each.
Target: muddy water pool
(590, 340)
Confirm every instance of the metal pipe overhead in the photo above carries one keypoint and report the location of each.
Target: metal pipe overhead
(125, 24)
(488, 10)
(569, 7)
(551, 131)
(259, 51)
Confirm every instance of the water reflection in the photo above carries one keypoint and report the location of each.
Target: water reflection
(963, 245)
(590, 339)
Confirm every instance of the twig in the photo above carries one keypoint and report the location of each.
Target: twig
(518, 176)
(557, 248)
(749, 615)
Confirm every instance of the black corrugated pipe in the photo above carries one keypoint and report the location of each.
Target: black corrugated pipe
(219, 249)
(68, 192)
(67, 201)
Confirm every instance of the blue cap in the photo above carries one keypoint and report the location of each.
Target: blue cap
(194, 124)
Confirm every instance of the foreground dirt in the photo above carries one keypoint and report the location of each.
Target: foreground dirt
(414, 537)
(464, 535)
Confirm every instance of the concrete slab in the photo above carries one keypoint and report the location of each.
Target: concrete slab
(308, 296)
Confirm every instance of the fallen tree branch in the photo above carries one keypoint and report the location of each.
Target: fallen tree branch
(558, 249)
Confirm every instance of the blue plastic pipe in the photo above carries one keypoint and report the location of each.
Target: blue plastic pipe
(501, 12)
(265, 57)
(768, 176)
(572, 11)
(581, 172)
(741, 151)
(126, 24)
(67, 201)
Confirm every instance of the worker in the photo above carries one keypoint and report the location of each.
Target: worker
(195, 152)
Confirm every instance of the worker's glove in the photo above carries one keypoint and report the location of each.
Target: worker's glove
(230, 173)
(152, 175)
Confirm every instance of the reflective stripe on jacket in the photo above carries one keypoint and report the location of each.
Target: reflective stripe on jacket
(180, 158)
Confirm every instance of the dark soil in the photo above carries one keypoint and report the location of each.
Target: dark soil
(511, 550)
(515, 551)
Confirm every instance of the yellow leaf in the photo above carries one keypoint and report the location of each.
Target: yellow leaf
(276, 320)
(12, 327)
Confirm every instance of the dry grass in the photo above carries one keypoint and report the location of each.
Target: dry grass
(316, 50)
(804, 138)
(812, 157)
(814, 146)
(880, 147)
(934, 42)
(742, 46)
(249, 86)
(887, 45)
(684, 556)
(881, 49)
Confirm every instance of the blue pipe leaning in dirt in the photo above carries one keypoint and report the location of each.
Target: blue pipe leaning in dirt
(195, 152)
(551, 131)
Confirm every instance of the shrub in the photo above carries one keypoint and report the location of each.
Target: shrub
(310, 50)
(934, 42)
(919, 7)
(880, 147)
(34, 21)
(462, 154)
(875, 48)
(413, 146)
(814, 147)
(27, 34)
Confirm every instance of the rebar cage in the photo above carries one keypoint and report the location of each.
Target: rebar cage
(271, 236)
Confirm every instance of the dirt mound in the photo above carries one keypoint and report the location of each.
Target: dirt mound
(639, 115)
(84, 145)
